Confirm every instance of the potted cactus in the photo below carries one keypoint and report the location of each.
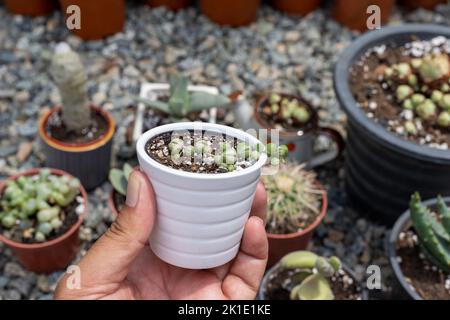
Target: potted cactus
(233, 13)
(77, 137)
(393, 85)
(303, 275)
(353, 14)
(297, 203)
(41, 211)
(119, 181)
(295, 7)
(297, 124)
(162, 103)
(99, 18)
(32, 8)
(419, 249)
(174, 5)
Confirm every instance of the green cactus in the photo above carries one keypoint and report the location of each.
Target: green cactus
(182, 102)
(37, 201)
(119, 178)
(312, 273)
(433, 235)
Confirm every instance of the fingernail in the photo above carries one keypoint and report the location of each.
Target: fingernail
(260, 221)
(134, 186)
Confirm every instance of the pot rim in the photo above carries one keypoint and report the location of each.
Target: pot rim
(82, 147)
(287, 133)
(239, 134)
(67, 234)
(262, 294)
(392, 251)
(313, 225)
(357, 115)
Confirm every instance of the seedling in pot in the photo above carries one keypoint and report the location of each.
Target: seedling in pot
(34, 208)
(209, 153)
(312, 274)
(181, 102)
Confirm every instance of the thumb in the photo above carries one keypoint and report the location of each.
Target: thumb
(111, 257)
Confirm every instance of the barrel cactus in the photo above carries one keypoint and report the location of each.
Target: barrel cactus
(119, 178)
(35, 204)
(312, 275)
(433, 230)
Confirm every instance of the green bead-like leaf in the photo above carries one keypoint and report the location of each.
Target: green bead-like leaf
(299, 259)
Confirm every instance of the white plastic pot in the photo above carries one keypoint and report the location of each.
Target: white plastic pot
(200, 217)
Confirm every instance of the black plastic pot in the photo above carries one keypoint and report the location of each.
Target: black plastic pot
(403, 289)
(265, 280)
(382, 169)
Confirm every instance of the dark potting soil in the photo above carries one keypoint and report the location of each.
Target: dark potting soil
(426, 279)
(378, 101)
(157, 149)
(279, 285)
(278, 122)
(119, 201)
(68, 217)
(57, 129)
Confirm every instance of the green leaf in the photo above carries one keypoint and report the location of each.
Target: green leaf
(315, 287)
(127, 170)
(118, 181)
(155, 104)
(203, 100)
(179, 95)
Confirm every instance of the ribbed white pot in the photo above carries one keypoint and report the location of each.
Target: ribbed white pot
(200, 217)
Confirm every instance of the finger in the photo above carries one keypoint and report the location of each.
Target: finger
(110, 258)
(246, 272)
(259, 207)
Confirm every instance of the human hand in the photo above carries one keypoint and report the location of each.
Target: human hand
(121, 265)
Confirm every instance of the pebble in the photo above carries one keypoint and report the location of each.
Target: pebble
(24, 151)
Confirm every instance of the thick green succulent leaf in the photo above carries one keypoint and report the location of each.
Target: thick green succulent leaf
(299, 259)
(155, 104)
(203, 100)
(179, 95)
(444, 214)
(315, 287)
(118, 181)
(127, 170)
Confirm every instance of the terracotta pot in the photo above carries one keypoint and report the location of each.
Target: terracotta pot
(52, 255)
(296, 7)
(32, 8)
(99, 18)
(233, 13)
(174, 5)
(282, 244)
(353, 14)
(426, 4)
(89, 162)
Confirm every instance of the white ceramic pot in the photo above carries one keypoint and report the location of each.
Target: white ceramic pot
(200, 217)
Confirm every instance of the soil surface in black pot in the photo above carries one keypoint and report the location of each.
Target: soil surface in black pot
(118, 201)
(375, 80)
(426, 279)
(279, 285)
(279, 115)
(68, 216)
(212, 158)
(56, 129)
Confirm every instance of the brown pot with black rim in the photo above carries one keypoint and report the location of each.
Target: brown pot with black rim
(99, 18)
(353, 14)
(426, 4)
(52, 255)
(298, 135)
(297, 204)
(33, 8)
(87, 159)
(173, 5)
(295, 7)
(234, 13)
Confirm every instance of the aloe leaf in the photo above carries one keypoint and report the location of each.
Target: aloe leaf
(155, 104)
(203, 100)
(444, 214)
(179, 95)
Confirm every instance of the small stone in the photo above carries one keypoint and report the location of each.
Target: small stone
(22, 97)
(13, 269)
(292, 36)
(24, 151)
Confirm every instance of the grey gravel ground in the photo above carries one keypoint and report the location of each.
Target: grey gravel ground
(277, 52)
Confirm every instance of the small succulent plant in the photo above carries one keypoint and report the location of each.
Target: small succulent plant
(36, 203)
(294, 199)
(285, 110)
(433, 230)
(422, 85)
(69, 75)
(119, 178)
(312, 273)
(182, 102)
